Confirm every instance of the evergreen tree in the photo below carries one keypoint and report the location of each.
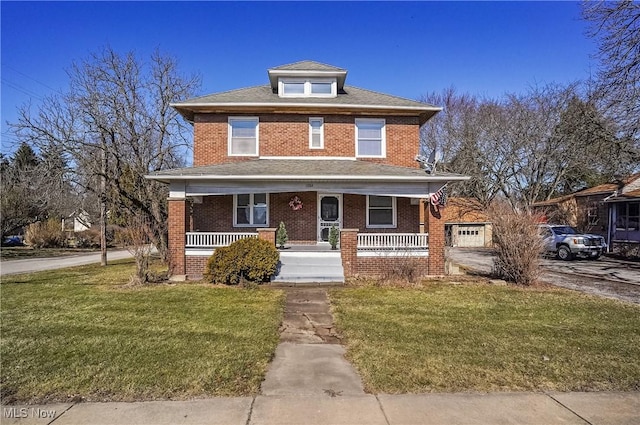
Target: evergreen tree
(281, 235)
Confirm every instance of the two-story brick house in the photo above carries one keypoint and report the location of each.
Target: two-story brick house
(312, 152)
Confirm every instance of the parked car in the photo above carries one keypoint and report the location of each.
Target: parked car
(567, 243)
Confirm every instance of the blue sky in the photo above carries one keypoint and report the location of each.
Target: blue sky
(401, 48)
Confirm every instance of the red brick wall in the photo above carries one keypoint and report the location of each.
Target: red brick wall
(215, 214)
(301, 225)
(288, 135)
(195, 267)
(178, 219)
(376, 266)
(435, 228)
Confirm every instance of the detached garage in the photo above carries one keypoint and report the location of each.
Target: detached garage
(466, 224)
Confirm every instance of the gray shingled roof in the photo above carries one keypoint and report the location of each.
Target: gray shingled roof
(263, 96)
(292, 169)
(307, 65)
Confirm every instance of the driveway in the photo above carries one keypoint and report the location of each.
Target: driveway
(607, 277)
(31, 265)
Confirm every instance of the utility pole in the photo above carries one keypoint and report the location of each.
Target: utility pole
(103, 204)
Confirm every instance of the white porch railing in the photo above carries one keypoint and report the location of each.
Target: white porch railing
(215, 239)
(392, 241)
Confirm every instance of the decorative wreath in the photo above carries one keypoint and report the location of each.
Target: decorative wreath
(295, 203)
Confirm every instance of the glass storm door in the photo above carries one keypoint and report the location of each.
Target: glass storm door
(330, 214)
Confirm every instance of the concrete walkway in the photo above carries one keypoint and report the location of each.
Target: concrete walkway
(309, 360)
(31, 265)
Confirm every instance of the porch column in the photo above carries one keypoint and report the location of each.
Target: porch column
(435, 228)
(178, 222)
(268, 234)
(349, 251)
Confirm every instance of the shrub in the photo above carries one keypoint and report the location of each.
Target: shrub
(47, 234)
(89, 238)
(250, 259)
(281, 235)
(334, 237)
(518, 245)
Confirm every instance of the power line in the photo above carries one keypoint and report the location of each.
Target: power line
(21, 89)
(31, 78)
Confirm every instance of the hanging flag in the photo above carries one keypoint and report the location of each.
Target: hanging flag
(440, 197)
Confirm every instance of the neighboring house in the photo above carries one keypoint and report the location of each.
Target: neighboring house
(624, 218)
(312, 152)
(77, 221)
(596, 209)
(467, 224)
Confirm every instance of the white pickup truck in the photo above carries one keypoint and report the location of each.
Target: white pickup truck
(566, 243)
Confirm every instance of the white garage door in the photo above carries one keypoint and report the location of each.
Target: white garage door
(470, 235)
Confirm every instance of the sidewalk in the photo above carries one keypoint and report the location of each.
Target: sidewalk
(31, 265)
(426, 409)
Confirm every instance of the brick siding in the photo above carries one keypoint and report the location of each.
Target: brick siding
(288, 135)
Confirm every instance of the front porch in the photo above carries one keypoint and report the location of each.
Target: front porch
(383, 212)
(370, 255)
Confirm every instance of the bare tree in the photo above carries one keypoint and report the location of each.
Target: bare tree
(116, 124)
(616, 28)
(528, 146)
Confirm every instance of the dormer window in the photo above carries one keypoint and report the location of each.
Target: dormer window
(307, 87)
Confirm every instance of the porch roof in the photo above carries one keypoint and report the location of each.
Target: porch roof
(304, 170)
(294, 175)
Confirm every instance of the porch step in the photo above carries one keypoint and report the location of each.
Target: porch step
(310, 267)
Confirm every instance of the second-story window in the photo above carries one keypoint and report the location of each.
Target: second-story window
(370, 138)
(243, 136)
(316, 133)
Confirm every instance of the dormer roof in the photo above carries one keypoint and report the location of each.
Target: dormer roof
(307, 69)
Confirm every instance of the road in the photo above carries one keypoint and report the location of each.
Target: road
(605, 277)
(31, 265)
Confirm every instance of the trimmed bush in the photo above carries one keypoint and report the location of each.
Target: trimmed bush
(45, 234)
(250, 259)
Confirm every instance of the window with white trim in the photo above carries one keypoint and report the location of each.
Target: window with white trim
(316, 133)
(307, 87)
(370, 138)
(251, 210)
(243, 136)
(381, 211)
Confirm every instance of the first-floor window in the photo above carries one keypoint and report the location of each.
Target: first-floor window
(251, 210)
(381, 211)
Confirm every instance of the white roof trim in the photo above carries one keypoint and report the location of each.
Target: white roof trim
(308, 105)
(312, 158)
(425, 178)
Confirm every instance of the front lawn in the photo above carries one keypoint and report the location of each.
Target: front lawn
(456, 338)
(81, 333)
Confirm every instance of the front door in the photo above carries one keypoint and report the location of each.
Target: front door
(329, 214)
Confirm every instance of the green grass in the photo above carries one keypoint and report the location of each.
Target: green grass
(81, 333)
(458, 338)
